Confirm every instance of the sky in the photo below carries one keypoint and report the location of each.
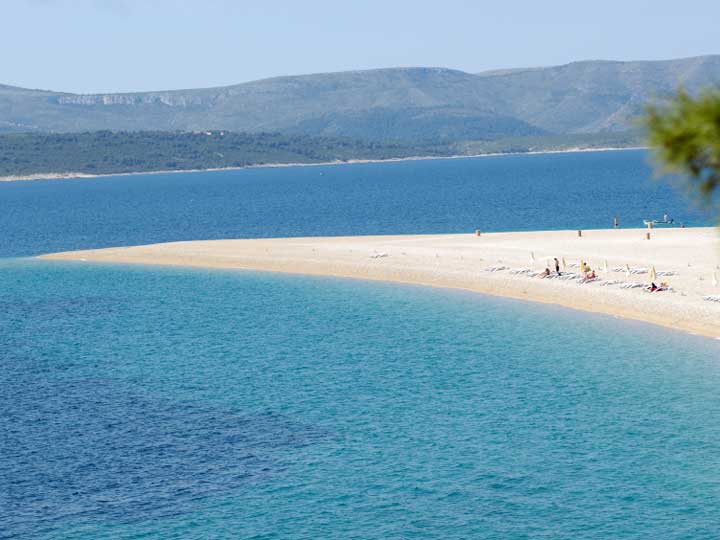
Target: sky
(92, 46)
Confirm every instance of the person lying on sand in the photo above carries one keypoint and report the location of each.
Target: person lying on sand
(654, 288)
(589, 274)
(545, 273)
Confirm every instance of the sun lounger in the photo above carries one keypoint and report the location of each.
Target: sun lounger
(631, 285)
(632, 270)
(495, 268)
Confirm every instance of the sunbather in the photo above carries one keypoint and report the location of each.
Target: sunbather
(589, 274)
(654, 288)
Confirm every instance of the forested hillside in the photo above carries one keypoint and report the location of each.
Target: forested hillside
(106, 152)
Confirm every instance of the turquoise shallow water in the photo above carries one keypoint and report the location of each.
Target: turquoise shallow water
(169, 403)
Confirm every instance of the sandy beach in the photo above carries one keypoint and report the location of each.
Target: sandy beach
(501, 264)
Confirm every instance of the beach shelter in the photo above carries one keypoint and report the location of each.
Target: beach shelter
(653, 274)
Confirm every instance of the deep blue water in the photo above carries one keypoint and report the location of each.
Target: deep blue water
(499, 193)
(157, 403)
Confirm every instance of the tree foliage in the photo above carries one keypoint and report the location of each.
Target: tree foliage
(685, 132)
(110, 152)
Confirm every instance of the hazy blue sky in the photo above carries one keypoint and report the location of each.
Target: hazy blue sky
(123, 45)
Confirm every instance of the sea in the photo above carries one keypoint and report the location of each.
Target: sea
(141, 402)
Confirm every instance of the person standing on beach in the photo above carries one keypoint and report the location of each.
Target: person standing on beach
(616, 223)
(557, 266)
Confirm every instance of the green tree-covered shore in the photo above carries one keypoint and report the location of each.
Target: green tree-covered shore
(106, 152)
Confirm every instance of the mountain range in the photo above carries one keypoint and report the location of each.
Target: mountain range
(383, 104)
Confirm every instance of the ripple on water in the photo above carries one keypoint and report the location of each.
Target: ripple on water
(95, 450)
(170, 403)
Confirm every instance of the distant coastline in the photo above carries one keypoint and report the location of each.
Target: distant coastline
(80, 175)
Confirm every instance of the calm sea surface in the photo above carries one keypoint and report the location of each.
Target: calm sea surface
(501, 193)
(155, 403)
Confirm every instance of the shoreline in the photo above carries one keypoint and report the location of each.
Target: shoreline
(79, 175)
(464, 262)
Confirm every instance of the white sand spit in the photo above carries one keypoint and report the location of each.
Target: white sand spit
(494, 264)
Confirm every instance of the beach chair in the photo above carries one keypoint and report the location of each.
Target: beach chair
(631, 285)
(495, 268)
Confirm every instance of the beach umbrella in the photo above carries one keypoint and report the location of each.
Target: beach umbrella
(564, 265)
(605, 266)
(627, 270)
(715, 279)
(532, 258)
(653, 274)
